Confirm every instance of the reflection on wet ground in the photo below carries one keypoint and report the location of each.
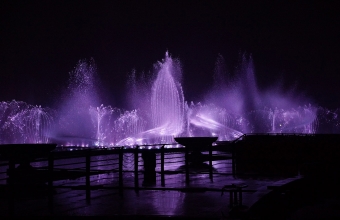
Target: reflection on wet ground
(201, 197)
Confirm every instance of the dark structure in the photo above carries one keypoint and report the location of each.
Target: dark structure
(23, 154)
(149, 159)
(288, 154)
(193, 148)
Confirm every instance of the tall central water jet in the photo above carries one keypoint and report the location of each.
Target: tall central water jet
(167, 100)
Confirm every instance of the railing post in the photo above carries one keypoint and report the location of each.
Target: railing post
(186, 165)
(136, 167)
(88, 164)
(150, 163)
(120, 169)
(11, 171)
(10, 180)
(231, 198)
(210, 163)
(240, 197)
(162, 166)
(233, 160)
(50, 179)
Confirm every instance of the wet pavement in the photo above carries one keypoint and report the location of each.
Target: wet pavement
(202, 198)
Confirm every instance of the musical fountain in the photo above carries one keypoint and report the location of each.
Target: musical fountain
(160, 111)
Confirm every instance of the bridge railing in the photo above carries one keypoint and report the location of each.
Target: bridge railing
(119, 167)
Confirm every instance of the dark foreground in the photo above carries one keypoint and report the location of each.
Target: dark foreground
(292, 198)
(201, 199)
(267, 164)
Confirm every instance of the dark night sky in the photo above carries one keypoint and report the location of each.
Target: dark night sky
(42, 41)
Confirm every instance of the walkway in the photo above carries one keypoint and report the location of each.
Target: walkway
(201, 199)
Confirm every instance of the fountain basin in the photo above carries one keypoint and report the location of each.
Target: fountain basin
(196, 143)
(195, 140)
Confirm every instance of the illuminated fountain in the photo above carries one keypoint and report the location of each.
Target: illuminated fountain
(129, 129)
(210, 120)
(166, 107)
(167, 103)
(74, 123)
(160, 112)
(23, 123)
(101, 118)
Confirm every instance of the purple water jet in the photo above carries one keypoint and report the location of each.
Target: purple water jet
(74, 121)
(24, 123)
(167, 102)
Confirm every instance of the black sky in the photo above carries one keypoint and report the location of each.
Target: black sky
(42, 41)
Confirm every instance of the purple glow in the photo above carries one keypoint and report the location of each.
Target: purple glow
(23, 123)
(233, 106)
(167, 102)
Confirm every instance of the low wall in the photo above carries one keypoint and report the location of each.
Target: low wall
(288, 154)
